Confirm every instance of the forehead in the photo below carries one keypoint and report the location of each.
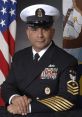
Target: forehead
(36, 29)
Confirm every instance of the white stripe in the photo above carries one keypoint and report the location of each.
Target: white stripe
(12, 29)
(4, 47)
(2, 77)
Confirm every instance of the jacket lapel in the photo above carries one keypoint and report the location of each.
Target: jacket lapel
(36, 69)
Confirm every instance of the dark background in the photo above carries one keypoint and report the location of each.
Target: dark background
(21, 38)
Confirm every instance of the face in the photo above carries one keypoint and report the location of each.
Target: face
(40, 37)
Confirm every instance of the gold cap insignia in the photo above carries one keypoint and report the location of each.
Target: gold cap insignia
(40, 12)
(47, 91)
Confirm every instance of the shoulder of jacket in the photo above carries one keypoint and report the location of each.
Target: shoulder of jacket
(22, 53)
(63, 59)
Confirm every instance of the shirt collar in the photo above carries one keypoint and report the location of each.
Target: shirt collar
(42, 51)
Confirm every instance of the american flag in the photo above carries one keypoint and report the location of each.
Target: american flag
(7, 36)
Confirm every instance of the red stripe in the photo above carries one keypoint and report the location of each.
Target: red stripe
(4, 66)
(10, 41)
(1, 100)
(12, 45)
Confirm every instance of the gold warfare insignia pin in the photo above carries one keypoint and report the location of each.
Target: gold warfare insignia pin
(72, 85)
(47, 90)
(75, 19)
(40, 12)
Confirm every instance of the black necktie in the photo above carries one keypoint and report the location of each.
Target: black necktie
(36, 57)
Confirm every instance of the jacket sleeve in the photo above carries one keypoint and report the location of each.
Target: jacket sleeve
(67, 95)
(9, 87)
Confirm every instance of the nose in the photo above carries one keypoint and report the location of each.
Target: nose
(40, 32)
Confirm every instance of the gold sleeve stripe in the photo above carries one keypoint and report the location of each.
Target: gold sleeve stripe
(62, 103)
(57, 103)
(61, 99)
(68, 102)
(54, 104)
(49, 105)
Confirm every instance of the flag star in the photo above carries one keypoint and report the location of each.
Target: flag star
(3, 10)
(13, 1)
(2, 23)
(5, 1)
(12, 12)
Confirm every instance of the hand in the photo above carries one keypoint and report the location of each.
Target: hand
(13, 109)
(21, 103)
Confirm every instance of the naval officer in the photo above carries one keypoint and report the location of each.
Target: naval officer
(43, 78)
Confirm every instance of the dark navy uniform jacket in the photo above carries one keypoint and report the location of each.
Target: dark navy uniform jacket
(52, 83)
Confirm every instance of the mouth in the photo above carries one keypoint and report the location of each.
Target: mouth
(40, 41)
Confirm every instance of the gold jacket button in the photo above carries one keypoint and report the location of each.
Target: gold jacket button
(47, 91)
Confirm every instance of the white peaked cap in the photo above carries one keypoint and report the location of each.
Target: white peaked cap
(31, 10)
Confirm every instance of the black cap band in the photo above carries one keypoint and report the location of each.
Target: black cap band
(45, 21)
